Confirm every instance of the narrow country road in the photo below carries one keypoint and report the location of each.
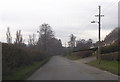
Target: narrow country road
(60, 68)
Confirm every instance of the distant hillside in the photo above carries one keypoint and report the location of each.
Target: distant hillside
(112, 36)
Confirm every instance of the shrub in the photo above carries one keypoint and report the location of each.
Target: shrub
(14, 56)
(111, 56)
(83, 54)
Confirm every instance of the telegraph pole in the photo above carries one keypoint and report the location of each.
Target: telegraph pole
(99, 43)
(99, 24)
(99, 20)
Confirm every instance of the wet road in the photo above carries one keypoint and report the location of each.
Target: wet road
(60, 68)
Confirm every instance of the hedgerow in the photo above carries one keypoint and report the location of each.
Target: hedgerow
(83, 54)
(14, 56)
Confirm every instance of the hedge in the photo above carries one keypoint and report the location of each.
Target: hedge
(111, 56)
(83, 54)
(111, 48)
(14, 56)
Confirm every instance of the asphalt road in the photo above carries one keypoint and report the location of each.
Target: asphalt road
(60, 68)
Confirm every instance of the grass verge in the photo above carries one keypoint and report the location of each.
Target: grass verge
(111, 66)
(69, 55)
(23, 73)
(72, 57)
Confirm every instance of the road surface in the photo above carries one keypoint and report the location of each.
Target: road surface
(60, 68)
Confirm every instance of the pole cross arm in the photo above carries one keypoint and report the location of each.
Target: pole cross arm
(98, 15)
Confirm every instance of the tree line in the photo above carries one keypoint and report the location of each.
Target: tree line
(18, 54)
(46, 41)
(79, 44)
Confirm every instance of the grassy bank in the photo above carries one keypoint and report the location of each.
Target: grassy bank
(78, 55)
(72, 57)
(111, 66)
(23, 73)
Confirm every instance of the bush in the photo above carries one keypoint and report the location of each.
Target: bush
(111, 56)
(14, 56)
(83, 54)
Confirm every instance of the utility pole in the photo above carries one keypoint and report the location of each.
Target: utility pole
(99, 43)
(99, 24)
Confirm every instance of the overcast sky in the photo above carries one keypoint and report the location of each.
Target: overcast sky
(64, 16)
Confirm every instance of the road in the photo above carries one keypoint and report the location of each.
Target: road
(60, 68)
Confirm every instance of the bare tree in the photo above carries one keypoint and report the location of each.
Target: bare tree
(45, 34)
(32, 41)
(9, 37)
(19, 38)
(71, 43)
(47, 41)
(89, 43)
(83, 44)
